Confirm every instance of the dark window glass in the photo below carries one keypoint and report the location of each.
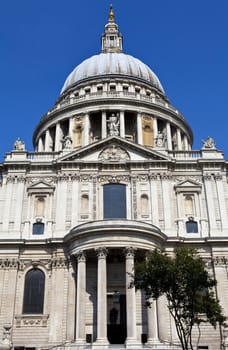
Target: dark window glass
(38, 228)
(114, 201)
(34, 292)
(191, 227)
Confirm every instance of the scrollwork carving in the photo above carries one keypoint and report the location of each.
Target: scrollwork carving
(101, 252)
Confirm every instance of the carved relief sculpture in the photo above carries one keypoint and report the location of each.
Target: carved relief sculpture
(113, 153)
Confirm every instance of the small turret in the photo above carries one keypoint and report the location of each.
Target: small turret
(112, 40)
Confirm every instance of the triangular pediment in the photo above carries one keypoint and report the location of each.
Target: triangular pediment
(40, 187)
(113, 149)
(188, 185)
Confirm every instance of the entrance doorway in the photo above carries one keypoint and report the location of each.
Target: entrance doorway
(116, 308)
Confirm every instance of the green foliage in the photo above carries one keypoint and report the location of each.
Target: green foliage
(187, 285)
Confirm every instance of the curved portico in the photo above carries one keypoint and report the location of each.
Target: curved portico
(105, 252)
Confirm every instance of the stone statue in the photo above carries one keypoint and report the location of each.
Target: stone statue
(113, 124)
(67, 143)
(19, 145)
(160, 139)
(209, 143)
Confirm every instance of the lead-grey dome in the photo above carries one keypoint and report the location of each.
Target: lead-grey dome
(112, 64)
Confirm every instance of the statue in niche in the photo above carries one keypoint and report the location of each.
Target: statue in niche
(19, 145)
(113, 124)
(160, 139)
(209, 143)
(67, 143)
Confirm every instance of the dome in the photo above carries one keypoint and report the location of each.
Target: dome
(112, 63)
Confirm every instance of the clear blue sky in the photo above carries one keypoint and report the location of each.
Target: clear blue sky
(185, 42)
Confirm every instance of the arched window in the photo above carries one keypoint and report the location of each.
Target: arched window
(34, 292)
(191, 226)
(144, 205)
(114, 199)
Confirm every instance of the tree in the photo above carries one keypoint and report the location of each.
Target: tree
(187, 285)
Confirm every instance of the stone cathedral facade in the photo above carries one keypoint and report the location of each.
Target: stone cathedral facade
(113, 176)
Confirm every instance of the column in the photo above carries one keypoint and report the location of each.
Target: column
(130, 299)
(152, 323)
(122, 124)
(169, 138)
(40, 145)
(86, 130)
(58, 137)
(71, 128)
(179, 143)
(166, 203)
(155, 129)
(47, 146)
(103, 125)
(185, 143)
(139, 128)
(80, 301)
(101, 297)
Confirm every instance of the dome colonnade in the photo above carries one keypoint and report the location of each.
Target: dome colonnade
(110, 84)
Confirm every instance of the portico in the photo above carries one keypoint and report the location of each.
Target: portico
(108, 311)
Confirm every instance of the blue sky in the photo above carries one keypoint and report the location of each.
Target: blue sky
(184, 42)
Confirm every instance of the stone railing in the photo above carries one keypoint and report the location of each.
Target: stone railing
(112, 95)
(184, 155)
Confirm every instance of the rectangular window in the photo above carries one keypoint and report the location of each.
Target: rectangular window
(114, 199)
(38, 228)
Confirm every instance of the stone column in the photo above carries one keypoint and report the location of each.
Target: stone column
(58, 137)
(81, 292)
(40, 145)
(70, 130)
(122, 124)
(101, 298)
(86, 130)
(131, 340)
(139, 128)
(47, 146)
(168, 134)
(103, 125)
(179, 143)
(152, 323)
(155, 129)
(185, 143)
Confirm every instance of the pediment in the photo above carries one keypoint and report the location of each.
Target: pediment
(113, 149)
(188, 185)
(40, 187)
